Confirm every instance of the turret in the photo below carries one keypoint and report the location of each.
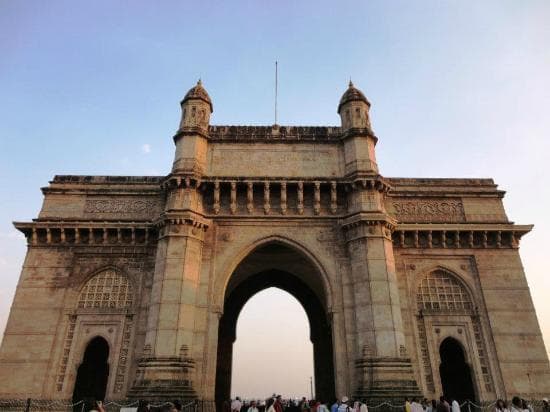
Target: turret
(191, 138)
(359, 139)
(196, 107)
(354, 109)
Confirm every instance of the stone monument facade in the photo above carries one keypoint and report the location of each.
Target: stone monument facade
(132, 286)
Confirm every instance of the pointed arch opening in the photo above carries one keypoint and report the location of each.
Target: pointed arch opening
(93, 373)
(277, 265)
(455, 373)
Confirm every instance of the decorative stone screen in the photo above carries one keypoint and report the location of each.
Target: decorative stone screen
(107, 289)
(441, 291)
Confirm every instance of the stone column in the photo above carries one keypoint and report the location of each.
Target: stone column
(384, 372)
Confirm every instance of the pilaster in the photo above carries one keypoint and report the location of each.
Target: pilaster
(167, 366)
(384, 371)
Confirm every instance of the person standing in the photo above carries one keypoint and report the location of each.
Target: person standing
(236, 405)
(516, 405)
(501, 406)
(335, 405)
(455, 407)
(269, 405)
(526, 406)
(545, 405)
(415, 406)
(363, 406)
(252, 407)
(408, 407)
(344, 406)
(314, 405)
(278, 404)
(322, 407)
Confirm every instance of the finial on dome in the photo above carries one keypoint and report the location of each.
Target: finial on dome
(352, 94)
(198, 92)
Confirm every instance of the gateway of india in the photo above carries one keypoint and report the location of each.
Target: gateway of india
(132, 285)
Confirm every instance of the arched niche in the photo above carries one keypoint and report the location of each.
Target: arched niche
(455, 373)
(93, 372)
(447, 309)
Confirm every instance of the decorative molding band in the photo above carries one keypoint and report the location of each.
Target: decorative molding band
(428, 210)
(130, 206)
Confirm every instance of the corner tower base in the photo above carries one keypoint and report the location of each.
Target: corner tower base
(162, 379)
(386, 380)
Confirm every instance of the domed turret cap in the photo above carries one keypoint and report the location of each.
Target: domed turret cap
(200, 93)
(352, 94)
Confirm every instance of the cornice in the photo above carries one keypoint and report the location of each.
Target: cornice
(459, 236)
(61, 233)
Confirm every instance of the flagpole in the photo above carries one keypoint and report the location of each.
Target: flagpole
(276, 89)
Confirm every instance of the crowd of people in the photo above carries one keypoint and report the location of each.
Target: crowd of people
(276, 403)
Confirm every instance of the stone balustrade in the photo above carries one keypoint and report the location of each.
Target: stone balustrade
(273, 197)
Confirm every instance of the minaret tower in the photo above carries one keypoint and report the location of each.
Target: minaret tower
(168, 367)
(383, 369)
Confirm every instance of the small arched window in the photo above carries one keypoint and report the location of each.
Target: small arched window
(107, 289)
(442, 291)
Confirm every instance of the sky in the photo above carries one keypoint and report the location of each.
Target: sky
(458, 89)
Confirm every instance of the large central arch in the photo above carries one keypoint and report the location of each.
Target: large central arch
(279, 265)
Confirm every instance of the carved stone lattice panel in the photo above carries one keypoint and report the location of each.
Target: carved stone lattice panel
(424, 210)
(106, 290)
(439, 291)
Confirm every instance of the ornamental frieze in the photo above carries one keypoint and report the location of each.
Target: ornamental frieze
(133, 207)
(433, 210)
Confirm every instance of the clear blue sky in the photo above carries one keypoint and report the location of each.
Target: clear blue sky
(459, 89)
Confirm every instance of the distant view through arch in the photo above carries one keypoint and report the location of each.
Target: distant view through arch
(273, 352)
(277, 265)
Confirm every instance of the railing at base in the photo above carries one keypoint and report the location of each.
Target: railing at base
(59, 405)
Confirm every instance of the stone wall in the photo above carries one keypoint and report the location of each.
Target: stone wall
(90, 224)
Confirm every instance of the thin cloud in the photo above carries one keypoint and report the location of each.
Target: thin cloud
(12, 235)
(146, 148)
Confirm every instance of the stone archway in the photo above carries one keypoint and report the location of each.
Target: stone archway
(456, 375)
(277, 265)
(93, 372)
